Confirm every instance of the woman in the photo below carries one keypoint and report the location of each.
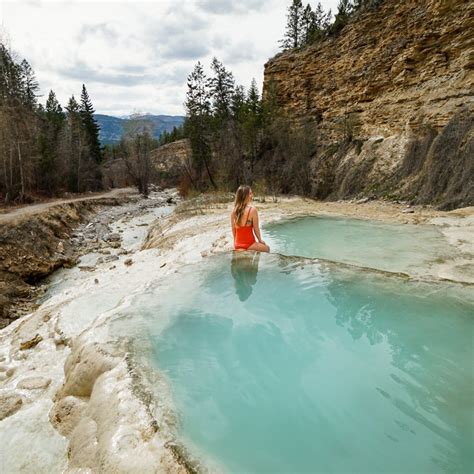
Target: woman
(244, 221)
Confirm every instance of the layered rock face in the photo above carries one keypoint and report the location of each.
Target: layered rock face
(170, 160)
(389, 102)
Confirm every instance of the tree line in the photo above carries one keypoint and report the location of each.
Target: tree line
(236, 137)
(306, 25)
(44, 150)
(47, 151)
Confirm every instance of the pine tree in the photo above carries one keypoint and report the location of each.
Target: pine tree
(366, 4)
(197, 97)
(49, 166)
(174, 135)
(73, 146)
(253, 123)
(323, 19)
(221, 87)
(90, 125)
(197, 124)
(270, 106)
(253, 98)
(164, 137)
(30, 84)
(238, 103)
(72, 106)
(344, 11)
(309, 27)
(83, 169)
(54, 111)
(294, 27)
(322, 22)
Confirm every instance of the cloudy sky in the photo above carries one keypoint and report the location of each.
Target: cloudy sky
(136, 55)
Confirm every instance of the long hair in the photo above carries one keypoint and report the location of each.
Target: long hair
(241, 201)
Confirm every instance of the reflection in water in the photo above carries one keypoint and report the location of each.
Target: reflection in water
(330, 369)
(428, 384)
(244, 269)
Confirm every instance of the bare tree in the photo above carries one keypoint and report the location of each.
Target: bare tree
(139, 141)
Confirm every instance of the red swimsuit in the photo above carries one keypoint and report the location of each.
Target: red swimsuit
(244, 236)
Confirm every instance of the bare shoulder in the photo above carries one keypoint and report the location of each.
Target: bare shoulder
(253, 211)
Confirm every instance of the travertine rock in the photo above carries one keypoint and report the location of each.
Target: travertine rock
(9, 404)
(66, 413)
(32, 383)
(83, 366)
(28, 344)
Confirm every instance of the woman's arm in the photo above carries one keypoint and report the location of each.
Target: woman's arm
(256, 225)
(232, 223)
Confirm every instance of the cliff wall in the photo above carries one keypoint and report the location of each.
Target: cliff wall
(389, 102)
(171, 158)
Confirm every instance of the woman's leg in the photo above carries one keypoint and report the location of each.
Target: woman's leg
(257, 246)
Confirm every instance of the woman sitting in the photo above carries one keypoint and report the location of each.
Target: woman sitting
(244, 221)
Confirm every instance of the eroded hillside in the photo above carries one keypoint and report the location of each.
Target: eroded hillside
(390, 102)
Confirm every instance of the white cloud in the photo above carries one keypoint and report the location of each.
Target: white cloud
(230, 7)
(137, 55)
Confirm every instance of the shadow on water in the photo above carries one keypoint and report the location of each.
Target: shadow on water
(244, 270)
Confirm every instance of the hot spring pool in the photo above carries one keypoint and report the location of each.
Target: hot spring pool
(367, 243)
(280, 364)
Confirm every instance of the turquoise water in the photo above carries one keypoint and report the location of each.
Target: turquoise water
(390, 247)
(288, 365)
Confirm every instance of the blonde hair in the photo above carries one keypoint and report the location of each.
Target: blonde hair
(240, 202)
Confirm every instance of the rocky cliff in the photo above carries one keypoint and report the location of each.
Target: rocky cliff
(171, 160)
(389, 102)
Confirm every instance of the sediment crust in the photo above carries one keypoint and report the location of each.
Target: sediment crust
(102, 408)
(208, 217)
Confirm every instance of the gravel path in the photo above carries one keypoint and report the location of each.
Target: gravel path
(27, 211)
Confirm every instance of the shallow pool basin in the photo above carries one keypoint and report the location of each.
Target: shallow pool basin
(280, 364)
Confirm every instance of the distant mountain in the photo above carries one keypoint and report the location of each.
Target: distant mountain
(112, 128)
